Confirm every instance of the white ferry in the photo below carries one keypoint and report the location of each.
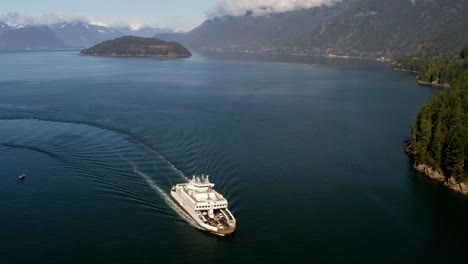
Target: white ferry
(206, 206)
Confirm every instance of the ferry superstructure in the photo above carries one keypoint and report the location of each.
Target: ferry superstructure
(207, 207)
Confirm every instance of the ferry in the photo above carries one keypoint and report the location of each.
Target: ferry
(207, 207)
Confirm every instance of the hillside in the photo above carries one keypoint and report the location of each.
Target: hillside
(273, 33)
(138, 46)
(4, 26)
(29, 38)
(378, 27)
(82, 35)
(146, 32)
(361, 28)
(65, 35)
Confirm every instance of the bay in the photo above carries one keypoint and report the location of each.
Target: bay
(308, 152)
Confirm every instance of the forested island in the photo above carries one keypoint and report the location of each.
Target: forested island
(439, 138)
(138, 47)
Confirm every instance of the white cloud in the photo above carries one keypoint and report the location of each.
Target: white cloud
(263, 7)
(17, 19)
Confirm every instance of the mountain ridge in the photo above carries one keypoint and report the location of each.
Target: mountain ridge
(357, 28)
(66, 35)
(40, 38)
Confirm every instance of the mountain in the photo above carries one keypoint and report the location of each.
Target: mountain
(4, 26)
(138, 46)
(29, 38)
(378, 27)
(256, 33)
(81, 34)
(145, 32)
(70, 35)
(362, 28)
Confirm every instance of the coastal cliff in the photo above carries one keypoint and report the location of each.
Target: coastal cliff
(131, 46)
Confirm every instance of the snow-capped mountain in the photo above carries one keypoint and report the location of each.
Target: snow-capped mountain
(4, 26)
(66, 35)
(146, 31)
(81, 34)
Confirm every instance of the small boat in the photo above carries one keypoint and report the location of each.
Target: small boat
(21, 177)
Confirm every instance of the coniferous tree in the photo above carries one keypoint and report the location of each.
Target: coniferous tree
(440, 133)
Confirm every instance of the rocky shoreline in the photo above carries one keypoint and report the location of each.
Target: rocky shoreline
(449, 182)
(169, 56)
(436, 84)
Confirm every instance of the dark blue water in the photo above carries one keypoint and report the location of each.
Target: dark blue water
(309, 153)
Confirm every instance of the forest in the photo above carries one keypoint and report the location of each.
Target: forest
(138, 46)
(440, 132)
(440, 70)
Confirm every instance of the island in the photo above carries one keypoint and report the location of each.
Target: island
(130, 46)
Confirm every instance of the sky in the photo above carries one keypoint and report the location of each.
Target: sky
(174, 14)
(181, 14)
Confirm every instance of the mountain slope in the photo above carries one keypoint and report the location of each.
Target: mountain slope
(380, 27)
(30, 38)
(145, 32)
(370, 28)
(4, 26)
(82, 34)
(249, 32)
(71, 35)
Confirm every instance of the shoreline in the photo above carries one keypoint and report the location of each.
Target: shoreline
(330, 55)
(136, 56)
(443, 85)
(450, 182)
(433, 84)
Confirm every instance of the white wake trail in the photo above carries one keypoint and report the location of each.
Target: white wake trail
(166, 198)
(181, 174)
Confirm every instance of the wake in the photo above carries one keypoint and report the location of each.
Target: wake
(166, 198)
(181, 174)
(122, 133)
(130, 139)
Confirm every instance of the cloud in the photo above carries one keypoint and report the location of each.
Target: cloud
(18, 19)
(263, 7)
